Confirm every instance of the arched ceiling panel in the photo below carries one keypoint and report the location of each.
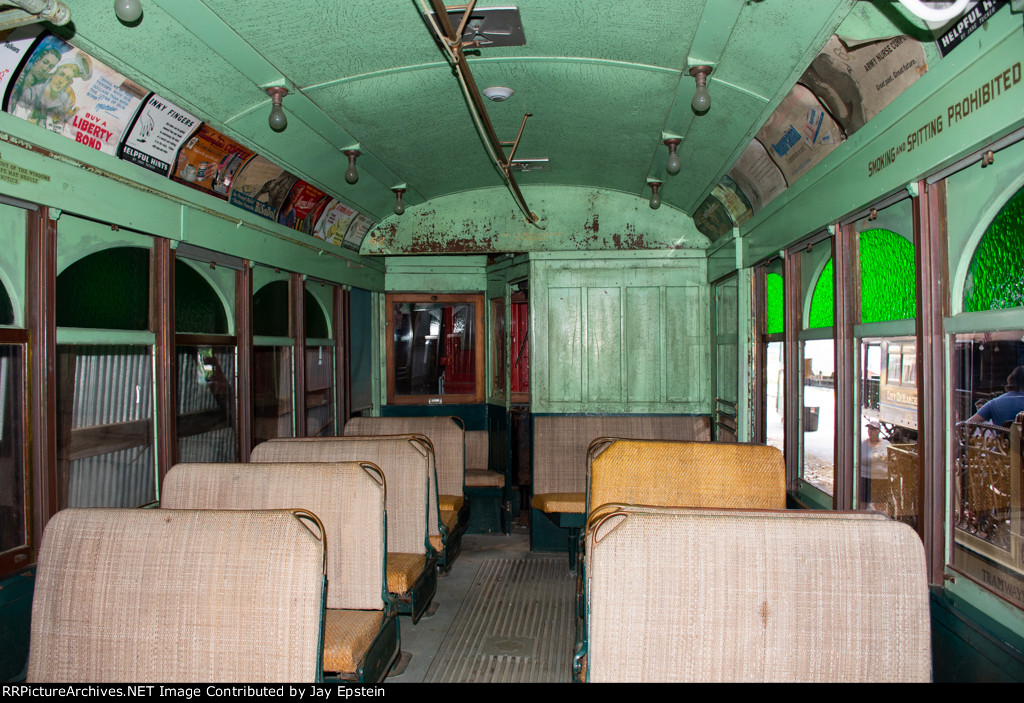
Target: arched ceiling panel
(602, 79)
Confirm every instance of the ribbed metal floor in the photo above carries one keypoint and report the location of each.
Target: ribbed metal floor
(515, 626)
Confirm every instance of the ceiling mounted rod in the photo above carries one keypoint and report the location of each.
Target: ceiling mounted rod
(452, 42)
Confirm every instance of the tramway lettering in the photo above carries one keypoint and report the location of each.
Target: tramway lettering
(978, 98)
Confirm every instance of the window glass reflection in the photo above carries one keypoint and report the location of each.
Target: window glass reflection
(434, 348)
(819, 413)
(988, 371)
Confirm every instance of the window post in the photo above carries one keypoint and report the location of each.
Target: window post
(244, 364)
(41, 321)
(844, 261)
(297, 289)
(932, 306)
(166, 410)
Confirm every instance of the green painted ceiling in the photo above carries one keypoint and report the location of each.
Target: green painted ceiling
(603, 79)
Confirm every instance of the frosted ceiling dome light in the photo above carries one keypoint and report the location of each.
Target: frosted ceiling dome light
(498, 93)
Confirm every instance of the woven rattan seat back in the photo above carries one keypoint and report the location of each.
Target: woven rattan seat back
(177, 595)
(347, 497)
(446, 434)
(560, 443)
(690, 595)
(693, 474)
(405, 461)
(476, 449)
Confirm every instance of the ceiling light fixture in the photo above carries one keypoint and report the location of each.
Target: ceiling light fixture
(498, 93)
(655, 198)
(277, 120)
(673, 164)
(399, 206)
(351, 174)
(128, 11)
(701, 99)
(935, 13)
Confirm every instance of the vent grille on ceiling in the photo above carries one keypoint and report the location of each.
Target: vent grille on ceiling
(491, 27)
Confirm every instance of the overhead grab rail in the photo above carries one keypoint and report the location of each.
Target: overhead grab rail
(451, 40)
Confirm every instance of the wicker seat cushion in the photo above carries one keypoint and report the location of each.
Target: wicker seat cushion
(450, 519)
(560, 502)
(449, 503)
(404, 571)
(482, 478)
(348, 635)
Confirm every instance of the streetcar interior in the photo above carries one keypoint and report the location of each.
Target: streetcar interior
(791, 224)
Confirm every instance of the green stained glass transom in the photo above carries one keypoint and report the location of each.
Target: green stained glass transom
(6, 307)
(774, 304)
(197, 307)
(270, 310)
(106, 290)
(887, 288)
(822, 313)
(995, 280)
(316, 321)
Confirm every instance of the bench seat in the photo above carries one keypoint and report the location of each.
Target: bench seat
(177, 595)
(447, 437)
(560, 444)
(349, 498)
(405, 461)
(686, 595)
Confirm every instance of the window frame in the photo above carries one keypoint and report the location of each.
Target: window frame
(478, 300)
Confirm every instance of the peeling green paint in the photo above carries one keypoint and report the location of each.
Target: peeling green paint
(572, 219)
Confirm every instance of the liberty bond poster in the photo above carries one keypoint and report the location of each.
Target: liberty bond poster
(64, 90)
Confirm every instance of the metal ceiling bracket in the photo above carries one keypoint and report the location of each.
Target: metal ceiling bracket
(452, 41)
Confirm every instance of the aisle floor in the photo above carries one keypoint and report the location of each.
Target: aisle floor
(504, 614)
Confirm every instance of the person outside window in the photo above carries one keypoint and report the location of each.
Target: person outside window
(1004, 409)
(873, 460)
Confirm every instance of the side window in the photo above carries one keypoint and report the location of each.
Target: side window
(105, 428)
(273, 350)
(206, 352)
(320, 360)
(15, 549)
(987, 360)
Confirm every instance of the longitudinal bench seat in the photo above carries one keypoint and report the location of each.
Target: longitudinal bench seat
(360, 626)
(177, 595)
(560, 444)
(447, 436)
(686, 595)
(406, 461)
